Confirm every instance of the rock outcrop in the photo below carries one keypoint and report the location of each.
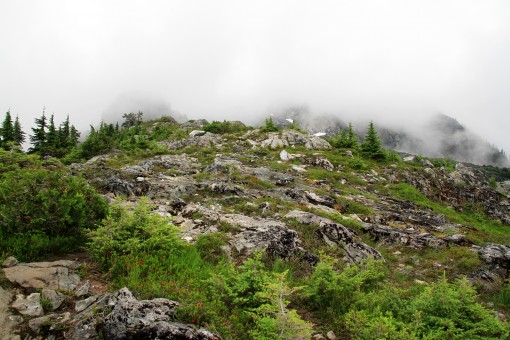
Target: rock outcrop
(117, 315)
(56, 275)
(335, 234)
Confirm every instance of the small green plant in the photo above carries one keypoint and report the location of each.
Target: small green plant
(492, 182)
(46, 304)
(269, 126)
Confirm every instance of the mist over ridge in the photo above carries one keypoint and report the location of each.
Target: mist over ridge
(395, 62)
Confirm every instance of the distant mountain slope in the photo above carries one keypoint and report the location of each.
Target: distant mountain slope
(442, 136)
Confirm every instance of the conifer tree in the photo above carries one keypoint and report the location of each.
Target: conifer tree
(352, 139)
(38, 139)
(64, 134)
(52, 142)
(19, 135)
(371, 146)
(7, 131)
(74, 135)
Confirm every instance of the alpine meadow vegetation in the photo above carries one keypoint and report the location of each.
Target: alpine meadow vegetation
(49, 207)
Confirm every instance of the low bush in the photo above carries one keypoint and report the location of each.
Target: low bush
(46, 208)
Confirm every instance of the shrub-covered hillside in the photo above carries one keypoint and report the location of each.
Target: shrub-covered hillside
(267, 233)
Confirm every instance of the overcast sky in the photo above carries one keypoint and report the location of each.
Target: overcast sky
(394, 60)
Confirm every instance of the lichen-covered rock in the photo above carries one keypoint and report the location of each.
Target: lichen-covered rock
(147, 319)
(497, 255)
(168, 187)
(335, 234)
(277, 140)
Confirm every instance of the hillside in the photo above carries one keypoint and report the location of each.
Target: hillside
(275, 233)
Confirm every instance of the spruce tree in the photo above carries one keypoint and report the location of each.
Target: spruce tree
(64, 134)
(19, 135)
(38, 139)
(52, 142)
(371, 146)
(74, 135)
(7, 131)
(352, 139)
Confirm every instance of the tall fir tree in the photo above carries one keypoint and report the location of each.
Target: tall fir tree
(352, 139)
(52, 142)
(371, 146)
(7, 131)
(74, 135)
(64, 133)
(19, 135)
(38, 139)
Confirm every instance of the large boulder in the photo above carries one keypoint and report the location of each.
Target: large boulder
(58, 275)
(278, 140)
(147, 319)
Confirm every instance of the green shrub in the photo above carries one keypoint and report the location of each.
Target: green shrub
(450, 310)
(46, 208)
(48, 200)
(333, 292)
(269, 126)
(124, 232)
(209, 247)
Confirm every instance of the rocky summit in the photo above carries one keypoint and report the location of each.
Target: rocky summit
(288, 195)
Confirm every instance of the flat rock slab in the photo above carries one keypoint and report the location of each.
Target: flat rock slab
(51, 275)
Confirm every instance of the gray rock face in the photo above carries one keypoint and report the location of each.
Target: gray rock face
(207, 140)
(224, 165)
(257, 234)
(165, 187)
(276, 140)
(82, 290)
(504, 188)
(335, 234)
(55, 298)
(197, 133)
(10, 262)
(147, 319)
(317, 199)
(496, 255)
(30, 306)
(459, 189)
(53, 275)
(410, 237)
(320, 162)
(84, 304)
(194, 124)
